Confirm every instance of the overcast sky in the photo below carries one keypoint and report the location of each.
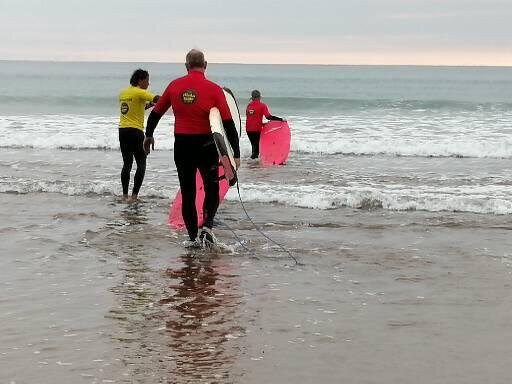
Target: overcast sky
(432, 32)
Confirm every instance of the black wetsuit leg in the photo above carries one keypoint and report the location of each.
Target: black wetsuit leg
(193, 152)
(140, 159)
(209, 168)
(130, 141)
(254, 138)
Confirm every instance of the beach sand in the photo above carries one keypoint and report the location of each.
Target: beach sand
(95, 291)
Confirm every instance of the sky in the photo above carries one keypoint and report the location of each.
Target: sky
(374, 32)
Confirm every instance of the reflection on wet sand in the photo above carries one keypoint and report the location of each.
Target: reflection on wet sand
(114, 299)
(202, 320)
(178, 322)
(134, 214)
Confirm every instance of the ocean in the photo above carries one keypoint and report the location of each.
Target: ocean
(396, 138)
(395, 199)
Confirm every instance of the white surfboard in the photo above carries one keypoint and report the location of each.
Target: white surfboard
(235, 111)
(219, 136)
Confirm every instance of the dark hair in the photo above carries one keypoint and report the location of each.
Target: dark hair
(137, 76)
(255, 94)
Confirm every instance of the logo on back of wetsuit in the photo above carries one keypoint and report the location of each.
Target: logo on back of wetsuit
(189, 96)
(251, 111)
(124, 108)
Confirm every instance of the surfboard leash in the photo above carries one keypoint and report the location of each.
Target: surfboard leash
(263, 233)
(237, 238)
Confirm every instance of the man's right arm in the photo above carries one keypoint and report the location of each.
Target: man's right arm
(149, 141)
(162, 105)
(153, 120)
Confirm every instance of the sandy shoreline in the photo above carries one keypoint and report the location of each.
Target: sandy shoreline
(94, 291)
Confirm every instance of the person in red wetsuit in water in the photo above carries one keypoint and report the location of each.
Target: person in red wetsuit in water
(191, 98)
(254, 123)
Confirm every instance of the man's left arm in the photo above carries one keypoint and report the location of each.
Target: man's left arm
(232, 134)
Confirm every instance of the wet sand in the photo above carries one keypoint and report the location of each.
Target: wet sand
(98, 292)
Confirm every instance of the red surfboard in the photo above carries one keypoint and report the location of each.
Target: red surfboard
(176, 219)
(275, 143)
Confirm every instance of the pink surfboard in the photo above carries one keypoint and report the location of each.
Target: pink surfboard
(176, 219)
(275, 143)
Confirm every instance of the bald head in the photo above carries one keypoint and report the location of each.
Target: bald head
(195, 60)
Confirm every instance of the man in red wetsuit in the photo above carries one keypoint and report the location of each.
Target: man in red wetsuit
(191, 98)
(254, 123)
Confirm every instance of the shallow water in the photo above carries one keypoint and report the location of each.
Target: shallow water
(309, 181)
(97, 291)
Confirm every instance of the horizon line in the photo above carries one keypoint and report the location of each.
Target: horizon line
(246, 63)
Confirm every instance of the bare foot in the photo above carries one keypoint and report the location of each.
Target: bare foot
(134, 199)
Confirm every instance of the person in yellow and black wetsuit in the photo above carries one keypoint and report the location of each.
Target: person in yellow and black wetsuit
(133, 101)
